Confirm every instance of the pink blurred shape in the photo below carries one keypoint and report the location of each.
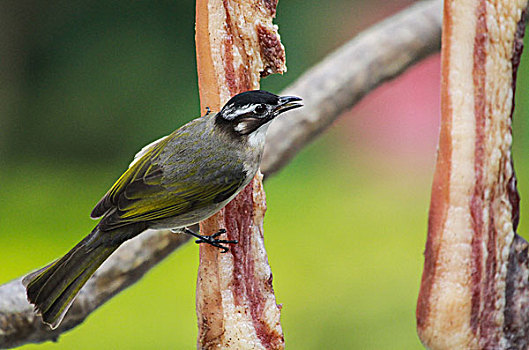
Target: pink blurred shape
(400, 119)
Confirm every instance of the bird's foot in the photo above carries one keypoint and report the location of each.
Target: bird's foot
(212, 239)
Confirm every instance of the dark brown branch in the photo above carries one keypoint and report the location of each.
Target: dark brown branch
(377, 55)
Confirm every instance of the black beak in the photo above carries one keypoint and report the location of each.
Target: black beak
(286, 103)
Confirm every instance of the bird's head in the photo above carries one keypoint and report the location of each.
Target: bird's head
(247, 112)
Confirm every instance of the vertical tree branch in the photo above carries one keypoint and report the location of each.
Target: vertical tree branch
(236, 307)
(475, 291)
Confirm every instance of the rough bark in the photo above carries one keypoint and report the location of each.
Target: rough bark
(236, 306)
(474, 291)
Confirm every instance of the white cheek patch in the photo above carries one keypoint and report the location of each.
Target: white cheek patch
(258, 137)
(243, 127)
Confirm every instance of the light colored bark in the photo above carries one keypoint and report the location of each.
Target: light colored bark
(474, 291)
(237, 43)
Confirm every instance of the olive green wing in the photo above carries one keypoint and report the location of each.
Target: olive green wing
(163, 205)
(143, 194)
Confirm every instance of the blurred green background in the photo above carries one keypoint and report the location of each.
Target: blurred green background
(85, 84)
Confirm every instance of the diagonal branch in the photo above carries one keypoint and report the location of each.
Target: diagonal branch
(338, 82)
(20, 325)
(378, 54)
(237, 44)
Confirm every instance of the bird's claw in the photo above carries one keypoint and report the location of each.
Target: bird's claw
(215, 235)
(212, 239)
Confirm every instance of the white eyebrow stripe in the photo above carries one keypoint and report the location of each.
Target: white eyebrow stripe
(245, 109)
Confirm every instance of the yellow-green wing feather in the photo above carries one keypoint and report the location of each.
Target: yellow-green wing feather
(150, 191)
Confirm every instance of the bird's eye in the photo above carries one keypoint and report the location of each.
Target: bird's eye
(260, 109)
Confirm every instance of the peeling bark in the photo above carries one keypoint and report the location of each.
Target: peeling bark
(236, 306)
(474, 289)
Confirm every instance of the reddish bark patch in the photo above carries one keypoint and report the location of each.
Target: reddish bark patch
(238, 220)
(479, 74)
(271, 6)
(489, 332)
(441, 182)
(244, 78)
(246, 285)
(238, 80)
(272, 52)
(229, 71)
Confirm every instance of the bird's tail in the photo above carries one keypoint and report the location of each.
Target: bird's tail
(53, 288)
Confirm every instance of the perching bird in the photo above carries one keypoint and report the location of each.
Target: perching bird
(172, 183)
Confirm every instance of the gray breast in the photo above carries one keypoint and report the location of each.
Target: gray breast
(202, 160)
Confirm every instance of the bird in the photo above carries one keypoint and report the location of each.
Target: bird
(172, 183)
